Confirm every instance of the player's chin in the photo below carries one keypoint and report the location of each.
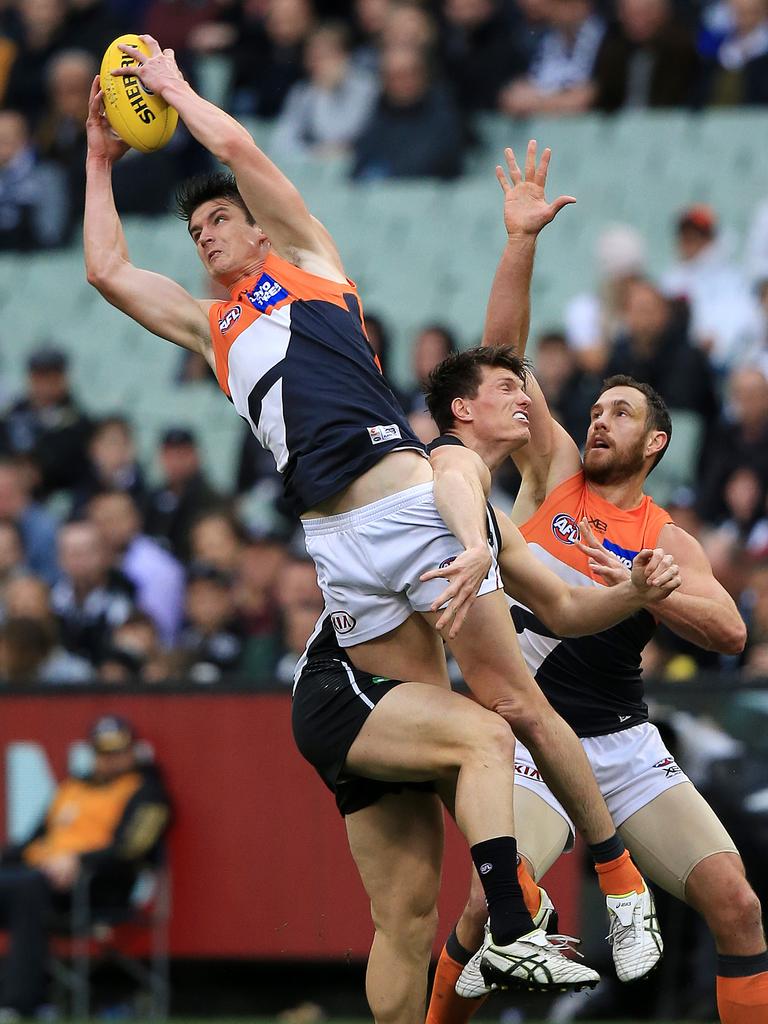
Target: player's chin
(522, 435)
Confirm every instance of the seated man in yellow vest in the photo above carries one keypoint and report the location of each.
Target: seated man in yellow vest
(106, 824)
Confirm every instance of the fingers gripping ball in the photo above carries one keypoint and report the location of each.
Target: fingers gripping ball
(142, 119)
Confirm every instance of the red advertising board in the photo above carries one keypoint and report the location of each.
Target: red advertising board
(259, 860)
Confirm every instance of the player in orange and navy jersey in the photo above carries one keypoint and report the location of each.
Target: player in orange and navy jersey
(573, 513)
(290, 350)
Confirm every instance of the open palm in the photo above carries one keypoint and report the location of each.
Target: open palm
(526, 210)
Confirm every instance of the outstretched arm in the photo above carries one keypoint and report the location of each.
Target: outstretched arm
(551, 455)
(580, 611)
(156, 302)
(272, 199)
(702, 611)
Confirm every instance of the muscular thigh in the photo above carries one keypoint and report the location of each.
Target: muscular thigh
(673, 833)
(397, 845)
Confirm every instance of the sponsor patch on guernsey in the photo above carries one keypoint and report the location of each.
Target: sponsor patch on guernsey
(624, 555)
(267, 292)
(381, 433)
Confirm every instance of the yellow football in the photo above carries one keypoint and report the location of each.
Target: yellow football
(142, 119)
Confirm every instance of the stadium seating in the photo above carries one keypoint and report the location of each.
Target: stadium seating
(420, 251)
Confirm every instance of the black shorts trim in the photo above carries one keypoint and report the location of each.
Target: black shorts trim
(331, 703)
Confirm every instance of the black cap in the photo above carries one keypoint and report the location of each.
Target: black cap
(207, 571)
(47, 360)
(111, 734)
(178, 436)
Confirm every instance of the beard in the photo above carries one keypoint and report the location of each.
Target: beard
(618, 468)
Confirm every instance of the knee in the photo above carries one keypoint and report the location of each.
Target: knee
(492, 738)
(408, 920)
(736, 910)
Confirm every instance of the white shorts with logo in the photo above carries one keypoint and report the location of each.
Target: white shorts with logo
(632, 767)
(369, 561)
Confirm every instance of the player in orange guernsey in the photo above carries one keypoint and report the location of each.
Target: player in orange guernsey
(571, 512)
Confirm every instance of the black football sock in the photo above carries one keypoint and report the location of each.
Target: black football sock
(496, 863)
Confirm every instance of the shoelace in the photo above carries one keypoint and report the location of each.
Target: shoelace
(619, 933)
(565, 943)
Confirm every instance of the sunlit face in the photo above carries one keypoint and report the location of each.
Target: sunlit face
(499, 410)
(226, 243)
(618, 439)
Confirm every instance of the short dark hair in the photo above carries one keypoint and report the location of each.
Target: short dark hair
(459, 376)
(657, 414)
(216, 185)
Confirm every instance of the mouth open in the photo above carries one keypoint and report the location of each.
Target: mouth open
(601, 445)
(521, 416)
(212, 253)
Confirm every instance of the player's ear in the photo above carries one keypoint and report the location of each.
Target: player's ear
(657, 442)
(461, 410)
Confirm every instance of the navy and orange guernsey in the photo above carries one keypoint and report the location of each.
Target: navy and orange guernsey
(594, 682)
(292, 354)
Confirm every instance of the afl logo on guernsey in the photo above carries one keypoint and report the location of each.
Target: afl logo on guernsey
(265, 293)
(343, 622)
(232, 316)
(565, 528)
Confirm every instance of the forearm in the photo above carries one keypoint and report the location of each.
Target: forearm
(508, 315)
(581, 611)
(213, 128)
(460, 500)
(711, 624)
(103, 237)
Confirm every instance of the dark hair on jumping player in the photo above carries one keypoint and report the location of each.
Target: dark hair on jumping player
(216, 185)
(657, 415)
(459, 376)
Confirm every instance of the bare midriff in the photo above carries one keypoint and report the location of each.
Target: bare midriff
(395, 472)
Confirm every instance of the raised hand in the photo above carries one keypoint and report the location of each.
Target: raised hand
(655, 574)
(526, 210)
(156, 70)
(103, 142)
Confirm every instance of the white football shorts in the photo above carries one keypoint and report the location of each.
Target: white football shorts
(369, 561)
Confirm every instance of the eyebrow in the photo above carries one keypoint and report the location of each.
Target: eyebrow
(615, 402)
(214, 211)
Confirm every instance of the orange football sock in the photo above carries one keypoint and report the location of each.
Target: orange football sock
(445, 1007)
(531, 893)
(619, 876)
(743, 1000)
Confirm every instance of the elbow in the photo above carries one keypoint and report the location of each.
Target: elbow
(733, 639)
(234, 146)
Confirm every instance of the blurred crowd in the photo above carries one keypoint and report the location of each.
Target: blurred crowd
(393, 84)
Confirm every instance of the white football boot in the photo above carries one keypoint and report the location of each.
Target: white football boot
(472, 982)
(634, 934)
(533, 963)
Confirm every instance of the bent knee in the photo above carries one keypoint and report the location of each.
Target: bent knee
(408, 926)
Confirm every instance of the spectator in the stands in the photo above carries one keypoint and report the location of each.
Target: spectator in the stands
(183, 494)
(60, 134)
(325, 113)
(648, 58)
(560, 78)
(48, 424)
(211, 641)
(91, 598)
(654, 347)
(434, 343)
(480, 52)
(735, 39)
(217, 538)
(28, 613)
(415, 130)
(569, 390)
(739, 438)
(409, 24)
(92, 24)
(725, 316)
(593, 319)
(12, 562)
(36, 525)
(112, 463)
(154, 572)
(261, 565)
(108, 823)
(268, 54)
(34, 205)
(133, 652)
(38, 32)
(369, 18)
(301, 604)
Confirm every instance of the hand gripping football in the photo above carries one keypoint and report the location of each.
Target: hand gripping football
(142, 119)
